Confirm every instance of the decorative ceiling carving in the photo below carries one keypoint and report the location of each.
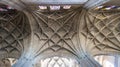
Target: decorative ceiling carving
(12, 33)
(56, 34)
(77, 33)
(57, 31)
(5, 63)
(103, 33)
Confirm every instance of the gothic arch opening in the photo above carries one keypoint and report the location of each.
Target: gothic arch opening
(108, 60)
(57, 62)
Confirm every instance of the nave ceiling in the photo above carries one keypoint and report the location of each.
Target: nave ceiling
(80, 32)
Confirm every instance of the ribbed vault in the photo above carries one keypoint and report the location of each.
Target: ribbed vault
(103, 33)
(77, 33)
(12, 33)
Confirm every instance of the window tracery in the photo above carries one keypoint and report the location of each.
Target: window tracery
(57, 62)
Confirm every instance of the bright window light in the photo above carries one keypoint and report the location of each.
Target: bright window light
(1, 9)
(54, 7)
(108, 8)
(8, 7)
(106, 61)
(108, 64)
(57, 62)
(67, 7)
(12, 60)
(43, 7)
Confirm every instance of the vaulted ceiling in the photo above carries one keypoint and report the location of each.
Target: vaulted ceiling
(81, 32)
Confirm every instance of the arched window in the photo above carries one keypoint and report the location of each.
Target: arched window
(106, 61)
(57, 62)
